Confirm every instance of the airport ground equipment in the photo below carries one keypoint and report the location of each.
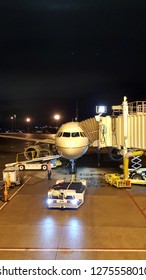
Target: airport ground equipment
(130, 132)
(32, 166)
(138, 174)
(130, 176)
(36, 163)
(117, 180)
(11, 176)
(67, 194)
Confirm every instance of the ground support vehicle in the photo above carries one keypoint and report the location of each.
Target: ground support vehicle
(130, 176)
(12, 176)
(36, 163)
(67, 194)
(138, 176)
(117, 180)
(32, 166)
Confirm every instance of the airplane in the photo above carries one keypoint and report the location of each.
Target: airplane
(70, 142)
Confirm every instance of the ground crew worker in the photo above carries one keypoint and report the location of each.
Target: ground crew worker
(49, 170)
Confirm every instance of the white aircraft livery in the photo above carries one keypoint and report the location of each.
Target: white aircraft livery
(71, 142)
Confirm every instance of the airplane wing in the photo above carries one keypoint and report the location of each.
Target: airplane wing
(49, 140)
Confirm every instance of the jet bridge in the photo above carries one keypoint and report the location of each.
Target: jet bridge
(125, 129)
(130, 125)
(129, 135)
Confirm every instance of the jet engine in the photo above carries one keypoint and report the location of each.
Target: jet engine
(35, 151)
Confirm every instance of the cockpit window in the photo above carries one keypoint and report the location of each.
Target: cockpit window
(59, 134)
(72, 134)
(75, 134)
(82, 134)
(66, 134)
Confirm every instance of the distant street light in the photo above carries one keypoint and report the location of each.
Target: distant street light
(15, 122)
(56, 117)
(28, 121)
(12, 118)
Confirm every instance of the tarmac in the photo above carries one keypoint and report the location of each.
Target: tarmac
(110, 225)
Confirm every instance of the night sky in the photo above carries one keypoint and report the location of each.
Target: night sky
(55, 54)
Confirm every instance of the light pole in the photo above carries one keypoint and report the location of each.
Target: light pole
(14, 122)
(28, 121)
(12, 118)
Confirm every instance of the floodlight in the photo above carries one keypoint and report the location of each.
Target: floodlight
(101, 109)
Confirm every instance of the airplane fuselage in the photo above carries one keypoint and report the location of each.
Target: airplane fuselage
(71, 142)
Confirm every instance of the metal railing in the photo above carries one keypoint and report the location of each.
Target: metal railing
(137, 107)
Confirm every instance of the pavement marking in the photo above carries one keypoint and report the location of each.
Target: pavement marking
(136, 204)
(126, 250)
(14, 194)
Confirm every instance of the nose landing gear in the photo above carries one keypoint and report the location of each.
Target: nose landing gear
(72, 167)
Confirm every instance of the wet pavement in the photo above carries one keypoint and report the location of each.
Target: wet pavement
(111, 224)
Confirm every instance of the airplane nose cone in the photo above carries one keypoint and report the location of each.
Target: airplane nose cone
(72, 153)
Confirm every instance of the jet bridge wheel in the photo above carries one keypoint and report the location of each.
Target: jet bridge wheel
(115, 154)
(136, 176)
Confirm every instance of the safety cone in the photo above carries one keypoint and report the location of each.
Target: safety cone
(5, 193)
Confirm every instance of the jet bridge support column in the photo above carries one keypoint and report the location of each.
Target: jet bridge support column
(115, 179)
(125, 124)
(123, 180)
